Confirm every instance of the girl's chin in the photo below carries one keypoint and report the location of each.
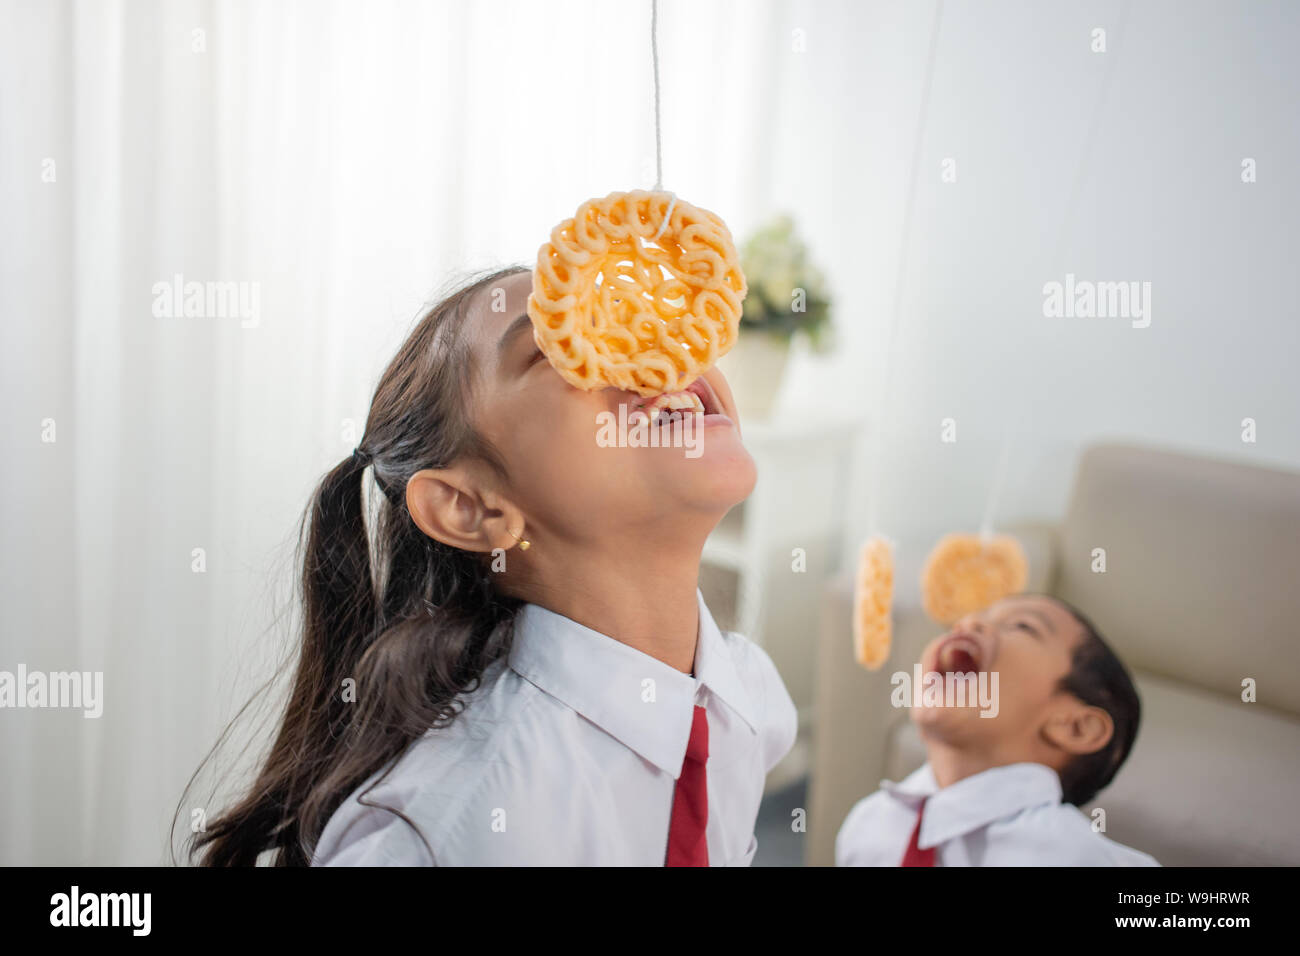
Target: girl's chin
(722, 476)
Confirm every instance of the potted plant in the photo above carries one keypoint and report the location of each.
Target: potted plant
(787, 297)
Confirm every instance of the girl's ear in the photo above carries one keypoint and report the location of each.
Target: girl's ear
(447, 505)
(1081, 729)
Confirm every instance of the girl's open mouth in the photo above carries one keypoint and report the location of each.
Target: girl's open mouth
(672, 407)
(702, 390)
(698, 398)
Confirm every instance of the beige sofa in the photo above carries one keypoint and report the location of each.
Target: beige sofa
(1201, 592)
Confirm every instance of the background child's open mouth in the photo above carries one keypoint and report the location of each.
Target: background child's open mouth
(958, 655)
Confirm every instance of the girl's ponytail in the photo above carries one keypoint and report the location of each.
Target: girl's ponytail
(337, 588)
(339, 612)
(394, 632)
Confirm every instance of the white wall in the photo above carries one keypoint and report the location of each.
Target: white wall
(1113, 166)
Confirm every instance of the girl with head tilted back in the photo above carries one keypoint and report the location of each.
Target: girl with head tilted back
(512, 663)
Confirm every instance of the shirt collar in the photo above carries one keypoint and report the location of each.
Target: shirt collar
(715, 668)
(975, 801)
(610, 683)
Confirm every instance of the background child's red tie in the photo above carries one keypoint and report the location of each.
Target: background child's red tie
(915, 856)
(686, 843)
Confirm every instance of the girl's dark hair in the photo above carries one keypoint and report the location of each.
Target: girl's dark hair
(1098, 678)
(414, 628)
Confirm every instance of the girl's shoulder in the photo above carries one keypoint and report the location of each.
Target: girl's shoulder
(755, 667)
(401, 816)
(763, 682)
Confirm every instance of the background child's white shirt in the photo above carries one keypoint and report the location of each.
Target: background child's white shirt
(568, 754)
(1006, 816)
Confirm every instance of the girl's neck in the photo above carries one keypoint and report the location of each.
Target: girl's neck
(642, 598)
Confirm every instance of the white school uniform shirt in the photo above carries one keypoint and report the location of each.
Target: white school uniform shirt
(568, 754)
(1006, 816)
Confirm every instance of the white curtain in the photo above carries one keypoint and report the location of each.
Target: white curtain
(347, 158)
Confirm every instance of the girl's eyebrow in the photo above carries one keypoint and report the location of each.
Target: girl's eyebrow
(507, 337)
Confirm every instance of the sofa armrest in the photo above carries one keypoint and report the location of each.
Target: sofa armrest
(850, 711)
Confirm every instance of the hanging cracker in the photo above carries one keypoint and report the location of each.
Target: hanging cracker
(639, 291)
(966, 573)
(872, 597)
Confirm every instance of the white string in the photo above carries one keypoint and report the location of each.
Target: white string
(668, 214)
(654, 56)
(659, 151)
(1076, 188)
(995, 491)
(873, 484)
(1090, 137)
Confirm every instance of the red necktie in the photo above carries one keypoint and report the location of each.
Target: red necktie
(686, 843)
(915, 856)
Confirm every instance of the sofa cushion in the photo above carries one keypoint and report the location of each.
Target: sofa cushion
(1201, 563)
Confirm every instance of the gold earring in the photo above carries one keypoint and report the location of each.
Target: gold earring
(524, 543)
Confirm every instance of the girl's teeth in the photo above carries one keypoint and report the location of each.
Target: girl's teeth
(677, 401)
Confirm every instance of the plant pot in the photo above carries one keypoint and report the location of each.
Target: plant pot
(755, 368)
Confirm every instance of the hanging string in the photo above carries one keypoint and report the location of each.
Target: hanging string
(659, 149)
(1094, 123)
(1071, 203)
(873, 484)
(995, 491)
(654, 58)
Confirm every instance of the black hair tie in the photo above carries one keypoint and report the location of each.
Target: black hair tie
(361, 457)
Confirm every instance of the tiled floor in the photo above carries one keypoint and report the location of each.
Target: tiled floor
(778, 843)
